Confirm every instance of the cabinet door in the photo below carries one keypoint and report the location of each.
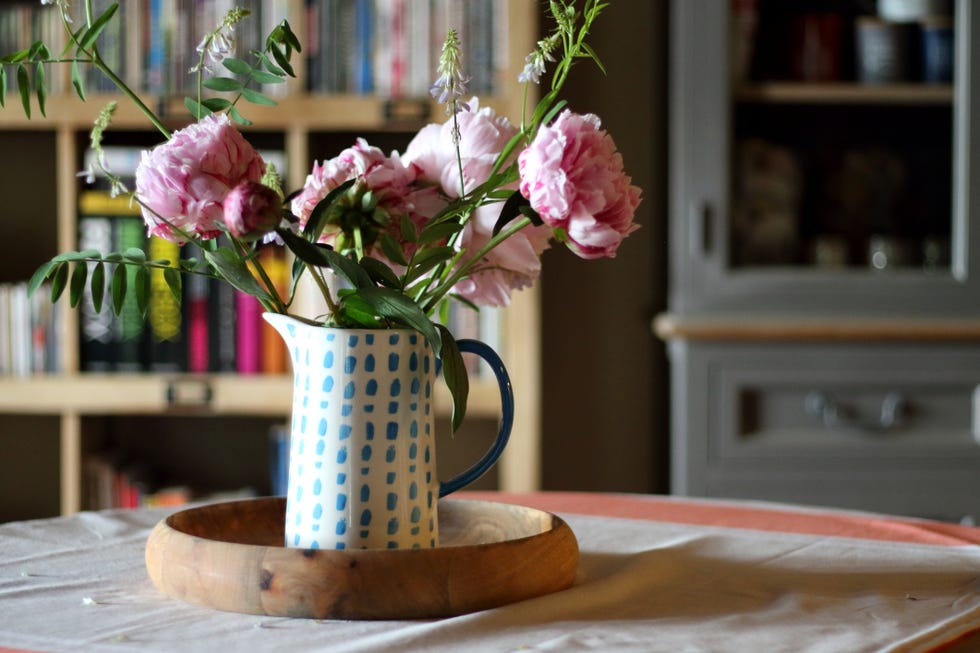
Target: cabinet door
(799, 185)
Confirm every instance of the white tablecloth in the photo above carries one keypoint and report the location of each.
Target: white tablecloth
(78, 584)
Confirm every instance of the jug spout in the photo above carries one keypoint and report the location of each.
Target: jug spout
(286, 325)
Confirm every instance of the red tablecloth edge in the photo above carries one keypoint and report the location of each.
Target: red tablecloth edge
(754, 515)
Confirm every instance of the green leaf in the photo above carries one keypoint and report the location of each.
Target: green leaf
(426, 259)
(268, 65)
(237, 66)
(135, 254)
(437, 232)
(510, 210)
(255, 97)
(3, 86)
(88, 39)
(409, 234)
(322, 256)
(392, 249)
(262, 77)
(40, 89)
(77, 256)
(238, 117)
(77, 81)
(223, 84)
(454, 371)
(174, 281)
(117, 288)
(233, 269)
(24, 87)
(216, 104)
(78, 278)
(58, 281)
(197, 109)
(97, 285)
(354, 311)
(400, 309)
(315, 223)
(143, 289)
(380, 272)
(282, 59)
(38, 278)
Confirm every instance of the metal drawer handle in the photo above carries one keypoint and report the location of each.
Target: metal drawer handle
(894, 409)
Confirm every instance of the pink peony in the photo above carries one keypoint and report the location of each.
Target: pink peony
(573, 177)
(185, 180)
(251, 210)
(512, 265)
(392, 183)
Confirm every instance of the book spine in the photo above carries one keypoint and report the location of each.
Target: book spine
(197, 317)
(248, 334)
(274, 352)
(155, 48)
(166, 342)
(363, 73)
(223, 317)
(95, 327)
(128, 325)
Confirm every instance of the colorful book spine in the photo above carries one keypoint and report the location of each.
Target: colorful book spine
(128, 325)
(274, 353)
(198, 321)
(223, 317)
(166, 342)
(95, 327)
(248, 334)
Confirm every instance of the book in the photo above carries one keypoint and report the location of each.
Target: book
(127, 327)
(222, 339)
(275, 357)
(198, 320)
(248, 334)
(166, 350)
(95, 327)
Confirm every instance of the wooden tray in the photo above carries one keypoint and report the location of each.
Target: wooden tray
(230, 556)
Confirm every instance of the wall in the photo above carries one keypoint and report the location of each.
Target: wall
(604, 374)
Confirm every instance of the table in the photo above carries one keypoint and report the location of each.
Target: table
(656, 574)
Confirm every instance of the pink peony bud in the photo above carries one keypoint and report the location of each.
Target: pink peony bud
(251, 210)
(573, 177)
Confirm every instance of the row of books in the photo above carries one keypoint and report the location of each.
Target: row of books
(150, 44)
(382, 47)
(27, 331)
(213, 328)
(111, 480)
(391, 47)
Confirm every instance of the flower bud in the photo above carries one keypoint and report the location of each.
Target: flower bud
(251, 210)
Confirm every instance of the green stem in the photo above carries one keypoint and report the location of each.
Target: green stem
(96, 60)
(466, 268)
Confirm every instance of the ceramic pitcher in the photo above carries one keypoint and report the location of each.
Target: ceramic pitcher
(362, 461)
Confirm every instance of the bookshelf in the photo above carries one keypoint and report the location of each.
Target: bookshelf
(62, 417)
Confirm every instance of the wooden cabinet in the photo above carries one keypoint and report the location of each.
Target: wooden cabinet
(825, 261)
(50, 422)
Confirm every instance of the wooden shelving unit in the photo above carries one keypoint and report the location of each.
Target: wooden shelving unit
(72, 396)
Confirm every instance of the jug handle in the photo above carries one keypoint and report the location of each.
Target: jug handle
(481, 466)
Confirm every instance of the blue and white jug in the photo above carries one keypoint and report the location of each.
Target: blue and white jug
(362, 461)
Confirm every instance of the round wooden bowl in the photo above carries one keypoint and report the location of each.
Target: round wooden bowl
(230, 556)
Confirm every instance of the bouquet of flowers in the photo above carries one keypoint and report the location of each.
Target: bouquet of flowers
(389, 238)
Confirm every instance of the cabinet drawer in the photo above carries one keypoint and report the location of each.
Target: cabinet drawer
(888, 428)
(881, 405)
